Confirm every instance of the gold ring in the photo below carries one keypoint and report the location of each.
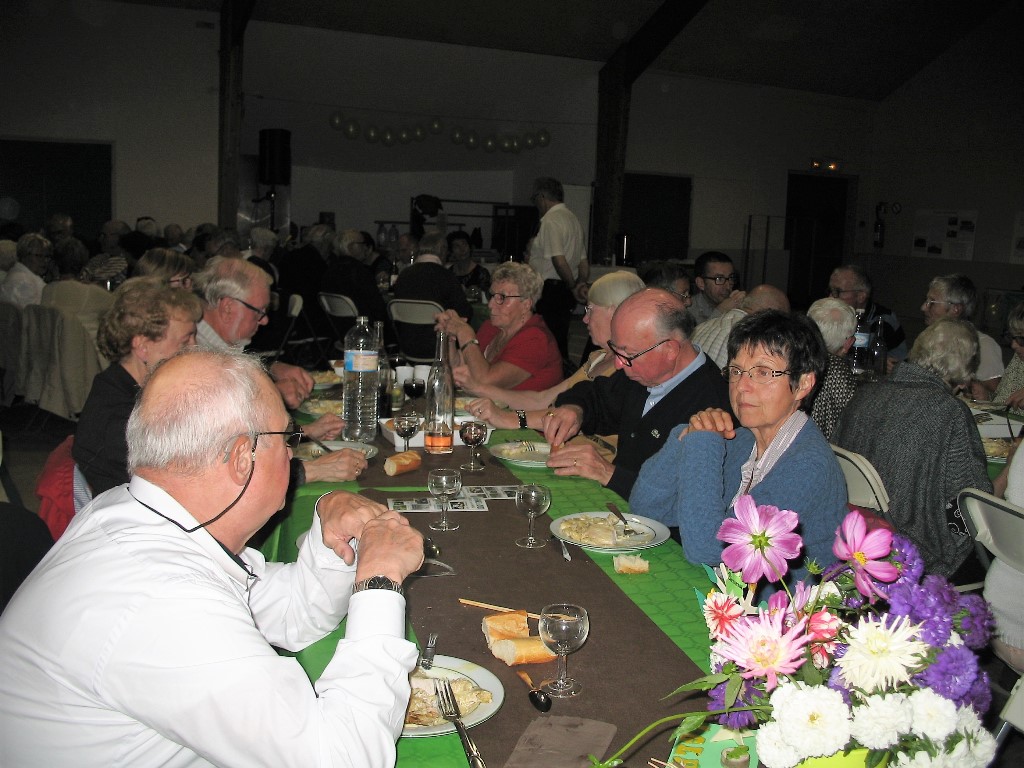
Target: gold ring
(575, 462)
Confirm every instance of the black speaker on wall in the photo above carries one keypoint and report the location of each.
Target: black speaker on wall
(275, 156)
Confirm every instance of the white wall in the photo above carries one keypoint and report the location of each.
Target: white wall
(144, 79)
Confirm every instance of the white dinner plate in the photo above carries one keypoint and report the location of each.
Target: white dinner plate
(451, 668)
(307, 451)
(655, 533)
(314, 408)
(514, 453)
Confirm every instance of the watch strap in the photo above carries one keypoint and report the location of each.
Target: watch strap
(378, 582)
(522, 419)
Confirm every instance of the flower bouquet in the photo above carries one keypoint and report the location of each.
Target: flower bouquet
(871, 655)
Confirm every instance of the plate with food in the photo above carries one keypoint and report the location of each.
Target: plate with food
(523, 454)
(996, 449)
(479, 693)
(307, 451)
(462, 405)
(602, 532)
(324, 379)
(318, 407)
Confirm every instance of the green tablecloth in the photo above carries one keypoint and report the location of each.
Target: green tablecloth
(666, 595)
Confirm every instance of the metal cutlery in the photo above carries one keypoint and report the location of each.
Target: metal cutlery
(427, 657)
(432, 567)
(449, 709)
(626, 530)
(317, 443)
(565, 550)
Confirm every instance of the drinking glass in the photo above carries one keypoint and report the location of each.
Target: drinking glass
(407, 425)
(473, 433)
(444, 484)
(414, 389)
(533, 501)
(563, 629)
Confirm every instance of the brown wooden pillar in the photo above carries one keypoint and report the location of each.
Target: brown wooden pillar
(234, 16)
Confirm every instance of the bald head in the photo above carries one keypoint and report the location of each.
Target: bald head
(643, 327)
(764, 297)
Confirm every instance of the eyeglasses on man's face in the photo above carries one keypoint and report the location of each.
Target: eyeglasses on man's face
(180, 282)
(762, 374)
(721, 279)
(260, 313)
(291, 438)
(501, 298)
(836, 293)
(928, 302)
(627, 360)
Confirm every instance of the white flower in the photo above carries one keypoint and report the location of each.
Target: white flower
(978, 747)
(881, 656)
(919, 759)
(880, 720)
(934, 717)
(817, 719)
(773, 751)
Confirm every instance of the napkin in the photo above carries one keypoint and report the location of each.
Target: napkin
(561, 742)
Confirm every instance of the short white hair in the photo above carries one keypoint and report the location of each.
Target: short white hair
(836, 320)
(949, 349)
(226, 277)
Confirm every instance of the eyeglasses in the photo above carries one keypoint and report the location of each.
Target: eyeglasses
(928, 302)
(721, 279)
(292, 439)
(260, 313)
(627, 360)
(835, 293)
(501, 298)
(1009, 338)
(762, 374)
(686, 294)
(181, 282)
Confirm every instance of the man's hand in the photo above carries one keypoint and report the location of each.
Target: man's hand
(711, 420)
(734, 300)
(582, 461)
(336, 466)
(499, 418)
(581, 292)
(464, 378)
(292, 382)
(344, 516)
(389, 547)
(561, 424)
(327, 427)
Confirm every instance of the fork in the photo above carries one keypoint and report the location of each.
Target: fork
(626, 530)
(427, 657)
(528, 446)
(448, 706)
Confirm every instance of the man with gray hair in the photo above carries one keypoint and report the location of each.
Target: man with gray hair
(109, 267)
(837, 321)
(24, 283)
(147, 636)
(712, 335)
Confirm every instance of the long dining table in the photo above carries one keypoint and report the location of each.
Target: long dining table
(647, 634)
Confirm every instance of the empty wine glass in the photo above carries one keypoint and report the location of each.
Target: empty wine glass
(563, 629)
(406, 426)
(533, 501)
(444, 484)
(473, 433)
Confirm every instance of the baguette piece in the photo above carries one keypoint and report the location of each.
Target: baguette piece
(630, 564)
(504, 626)
(521, 650)
(401, 463)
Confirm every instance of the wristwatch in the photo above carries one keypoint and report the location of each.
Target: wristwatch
(470, 343)
(522, 419)
(378, 582)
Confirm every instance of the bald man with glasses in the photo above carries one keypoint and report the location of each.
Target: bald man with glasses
(662, 380)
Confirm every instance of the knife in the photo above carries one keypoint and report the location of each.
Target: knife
(565, 550)
(317, 443)
(427, 657)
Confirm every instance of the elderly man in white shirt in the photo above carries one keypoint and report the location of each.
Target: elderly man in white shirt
(146, 636)
(23, 284)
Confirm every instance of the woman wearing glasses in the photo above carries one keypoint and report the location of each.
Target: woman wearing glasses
(1011, 386)
(514, 348)
(776, 453)
(167, 265)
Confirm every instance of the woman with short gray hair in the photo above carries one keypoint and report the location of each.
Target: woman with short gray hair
(1011, 386)
(923, 441)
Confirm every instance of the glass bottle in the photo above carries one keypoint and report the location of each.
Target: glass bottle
(879, 351)
(360, 398)
(383, 372)
(440, 415)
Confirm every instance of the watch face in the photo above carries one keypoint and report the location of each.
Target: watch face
(380, 582)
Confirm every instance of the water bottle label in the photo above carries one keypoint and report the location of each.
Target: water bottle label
(860, 340)
(361, 360)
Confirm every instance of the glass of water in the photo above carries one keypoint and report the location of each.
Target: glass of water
(533, 501)
(563, 629)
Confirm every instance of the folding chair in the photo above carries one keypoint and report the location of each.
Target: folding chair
(295, 311)
(864, 488)
(411, 320)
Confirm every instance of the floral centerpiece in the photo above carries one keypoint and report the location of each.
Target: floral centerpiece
(872, 654)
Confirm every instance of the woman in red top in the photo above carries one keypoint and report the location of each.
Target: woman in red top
(514, 348)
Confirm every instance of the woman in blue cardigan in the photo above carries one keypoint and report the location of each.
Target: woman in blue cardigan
(776, 454)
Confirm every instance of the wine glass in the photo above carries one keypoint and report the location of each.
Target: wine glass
(444, 484)
(563, 629)
(414, 389)
(473, 433)
(407, 425)
(533, 501)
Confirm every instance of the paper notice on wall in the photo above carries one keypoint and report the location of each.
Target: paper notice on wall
(1017, 243)
(944, 234)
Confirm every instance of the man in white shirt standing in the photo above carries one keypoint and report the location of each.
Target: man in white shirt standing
(558, 253)
(146, 636)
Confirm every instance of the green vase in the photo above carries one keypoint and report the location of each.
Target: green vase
(855, 759)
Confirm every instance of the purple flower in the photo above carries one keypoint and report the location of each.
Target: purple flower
(835, 681)
(932, 603)
(974, 621)
(952, 674)
(736, 720)
(906, 557)
(901, 597)
(980, 695)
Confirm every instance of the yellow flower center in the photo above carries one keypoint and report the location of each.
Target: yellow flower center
(859, 557)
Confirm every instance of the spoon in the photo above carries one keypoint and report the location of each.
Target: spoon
(538, 698)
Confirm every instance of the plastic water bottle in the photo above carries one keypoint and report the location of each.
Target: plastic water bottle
(879, 351)
(860, 354)
(360, 394)
(439, 432)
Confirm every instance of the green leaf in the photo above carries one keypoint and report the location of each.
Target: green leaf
(732, 690)
(705, 683)
(876, 758)
(595, 763)
(690, 723)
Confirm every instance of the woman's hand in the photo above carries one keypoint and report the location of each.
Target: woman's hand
(450, 322)
(1016, 400)
(327, 427)
(581, 461)
(711, 420)
(464, 378)
(336, 466)
(499, 418)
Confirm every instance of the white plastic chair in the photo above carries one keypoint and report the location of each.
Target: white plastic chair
(996, 525)
(1012, 715)
(412, 312)
(864, 487)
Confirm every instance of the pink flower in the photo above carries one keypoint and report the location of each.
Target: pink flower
(863, 550)
(822, 628)
(760, 539)
(721, 612)
(759, 646)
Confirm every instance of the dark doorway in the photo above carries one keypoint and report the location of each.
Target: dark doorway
(655, 218)
(819, 232)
